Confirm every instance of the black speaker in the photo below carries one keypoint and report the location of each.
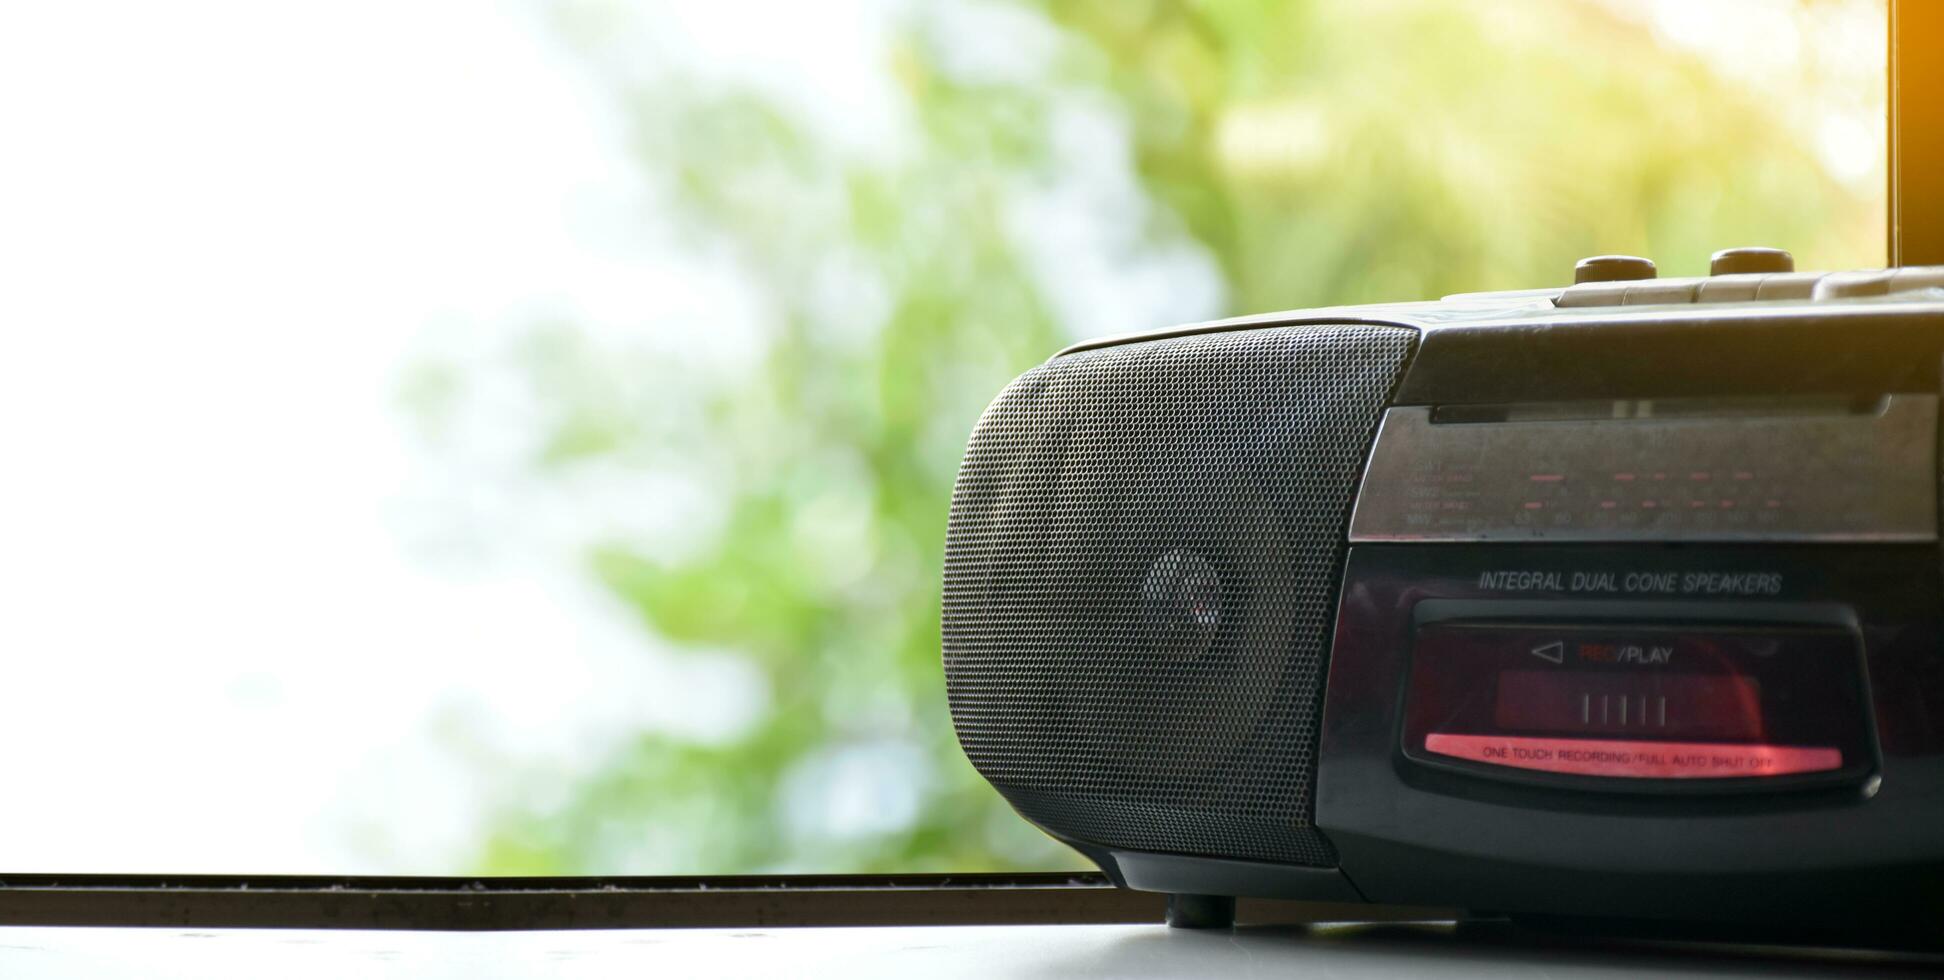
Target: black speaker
(1140, 579)
(1610, 600)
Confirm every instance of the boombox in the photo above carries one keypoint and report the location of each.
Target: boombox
(1619, 600)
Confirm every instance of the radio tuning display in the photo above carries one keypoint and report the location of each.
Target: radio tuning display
(1719, 705)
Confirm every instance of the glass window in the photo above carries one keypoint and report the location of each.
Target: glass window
(516, 438)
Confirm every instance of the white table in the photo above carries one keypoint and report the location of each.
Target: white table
(924, 953)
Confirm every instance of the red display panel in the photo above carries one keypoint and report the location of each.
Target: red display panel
(1617, 702)
(1657, 704)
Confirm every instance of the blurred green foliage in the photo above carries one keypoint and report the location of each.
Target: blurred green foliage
(1314, 153)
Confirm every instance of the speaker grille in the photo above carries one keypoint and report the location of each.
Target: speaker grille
(1141, 574)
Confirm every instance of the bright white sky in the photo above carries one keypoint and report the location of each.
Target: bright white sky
(226, 231)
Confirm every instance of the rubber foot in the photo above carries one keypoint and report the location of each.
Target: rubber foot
(1201, 911)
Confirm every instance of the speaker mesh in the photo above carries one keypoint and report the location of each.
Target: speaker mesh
(1141, 573)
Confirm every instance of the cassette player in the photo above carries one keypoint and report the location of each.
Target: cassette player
(1615, 600)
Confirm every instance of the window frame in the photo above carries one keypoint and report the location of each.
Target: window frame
(1915, 147)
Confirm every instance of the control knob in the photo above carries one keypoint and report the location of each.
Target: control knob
(1613, 268)
(1734, 261)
